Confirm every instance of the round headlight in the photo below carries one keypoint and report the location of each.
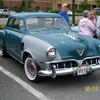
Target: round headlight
(99, 46)
(51, 53)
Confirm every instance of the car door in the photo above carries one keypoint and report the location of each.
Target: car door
(14, 35)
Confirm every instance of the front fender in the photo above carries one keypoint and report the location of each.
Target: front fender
(37, 48)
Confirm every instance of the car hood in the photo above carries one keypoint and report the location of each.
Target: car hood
(92, 45)
(65, 45)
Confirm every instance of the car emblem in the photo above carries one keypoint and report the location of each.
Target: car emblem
(80, 51)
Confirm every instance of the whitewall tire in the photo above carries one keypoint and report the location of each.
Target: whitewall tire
(31, 70)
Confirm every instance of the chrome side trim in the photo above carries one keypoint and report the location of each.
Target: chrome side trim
(15, 58)
(78, 61)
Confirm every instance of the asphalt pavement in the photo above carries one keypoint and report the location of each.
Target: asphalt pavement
(10, 90)
(15, 86)
(61, 88)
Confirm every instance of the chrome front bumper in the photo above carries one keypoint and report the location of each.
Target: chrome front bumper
(65, 71)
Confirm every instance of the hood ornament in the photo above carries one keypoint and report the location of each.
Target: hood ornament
(80, 51)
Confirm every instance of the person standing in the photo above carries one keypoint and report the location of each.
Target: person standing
(93, 17)
(86, 25)
(64, 11)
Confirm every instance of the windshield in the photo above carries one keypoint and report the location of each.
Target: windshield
(45, 23)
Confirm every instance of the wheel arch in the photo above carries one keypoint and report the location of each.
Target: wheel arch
(25, 54)
(28, 53)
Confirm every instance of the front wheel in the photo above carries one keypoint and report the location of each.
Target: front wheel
(31, 70)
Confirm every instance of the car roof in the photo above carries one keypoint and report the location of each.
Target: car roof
(35, 14)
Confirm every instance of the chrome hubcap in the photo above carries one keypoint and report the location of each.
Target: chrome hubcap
(30, 69)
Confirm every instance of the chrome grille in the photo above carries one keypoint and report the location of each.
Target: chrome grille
(74, 63)
(66, 64)
(91, 61)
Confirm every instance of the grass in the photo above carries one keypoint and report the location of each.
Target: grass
(76, 20)
(2, 26)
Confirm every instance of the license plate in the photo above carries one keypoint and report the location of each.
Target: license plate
(82, 70)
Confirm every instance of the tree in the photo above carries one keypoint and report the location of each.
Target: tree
(26, 5)
(98, 3)
(84, 5)
(1, 4)
(29, 2)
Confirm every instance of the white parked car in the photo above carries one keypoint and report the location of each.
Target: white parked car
(6, 12)
(97, 10)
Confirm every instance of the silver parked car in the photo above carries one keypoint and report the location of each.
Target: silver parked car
(97, 10)
(5, 12)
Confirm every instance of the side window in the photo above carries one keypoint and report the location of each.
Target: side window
(10, 22)
(18, 24)
(32, 23)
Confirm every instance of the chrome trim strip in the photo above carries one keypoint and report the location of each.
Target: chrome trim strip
(60, 61)
(72, 60)
(15, 58)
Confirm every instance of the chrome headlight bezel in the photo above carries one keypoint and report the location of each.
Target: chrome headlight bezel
(51, 53)
(99, 48)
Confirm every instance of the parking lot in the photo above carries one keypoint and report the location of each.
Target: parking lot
(60, 88)
(15, 86)
(3, 21)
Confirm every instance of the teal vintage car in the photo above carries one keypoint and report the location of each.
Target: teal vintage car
(46, 46)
